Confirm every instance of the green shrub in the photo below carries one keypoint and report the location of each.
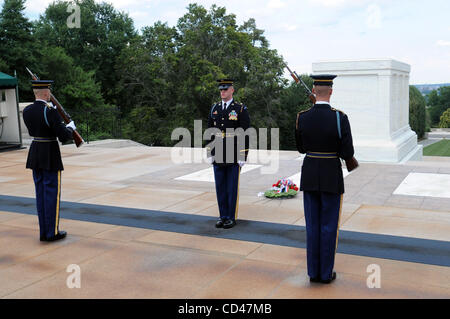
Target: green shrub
(417, 113)
(445, 119)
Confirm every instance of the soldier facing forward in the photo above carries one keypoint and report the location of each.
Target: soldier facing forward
(230, 151)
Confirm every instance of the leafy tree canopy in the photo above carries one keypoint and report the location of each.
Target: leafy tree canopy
(104, 32)
(17, 49)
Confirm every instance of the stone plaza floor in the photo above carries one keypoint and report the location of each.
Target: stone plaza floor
(141, 226)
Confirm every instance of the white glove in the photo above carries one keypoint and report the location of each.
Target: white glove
(210, 160)
(71, 125)
(241, 163)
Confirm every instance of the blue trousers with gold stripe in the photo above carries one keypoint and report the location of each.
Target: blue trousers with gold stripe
(48, 194)
(322, 214)
(227, 190)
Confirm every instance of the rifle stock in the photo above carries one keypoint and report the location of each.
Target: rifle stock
(351, 164)
(64, 115)
(312, 97)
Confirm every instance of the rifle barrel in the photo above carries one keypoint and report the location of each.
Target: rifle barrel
(297, 80)
(33, 76)
(287, 67)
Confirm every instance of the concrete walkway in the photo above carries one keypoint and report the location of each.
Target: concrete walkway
(136, 231)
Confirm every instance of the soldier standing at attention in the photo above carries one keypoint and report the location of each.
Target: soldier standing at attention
(324, 134)
(44, 157)
(228, 154)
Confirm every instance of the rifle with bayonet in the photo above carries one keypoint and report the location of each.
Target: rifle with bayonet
(65, 116)
(350, 163)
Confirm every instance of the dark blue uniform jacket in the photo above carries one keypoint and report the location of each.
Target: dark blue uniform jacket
(235, 116)
(45, 154)
(317, 131)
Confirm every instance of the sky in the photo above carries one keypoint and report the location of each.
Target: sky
(415, 32)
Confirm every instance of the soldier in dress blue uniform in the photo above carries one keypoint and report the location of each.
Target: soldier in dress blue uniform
(45, 125)
(230, 151)
(324, 134)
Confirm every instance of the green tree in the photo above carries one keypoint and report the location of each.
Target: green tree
(148, 86)
(417, 114)
(3, 66)
(439, 101)
(96, 45)
(445, 119)
(79, 93)
(293, 99)
(433, 98)
(17, 47)
(168, 75)
(212, 46)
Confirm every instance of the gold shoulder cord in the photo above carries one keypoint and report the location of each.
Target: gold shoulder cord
(334, 109)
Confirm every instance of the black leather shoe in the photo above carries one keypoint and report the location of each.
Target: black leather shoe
(229, 223)
(43, 238)
(316, 279)
(327, 281)
(219, 223)
(60, 235)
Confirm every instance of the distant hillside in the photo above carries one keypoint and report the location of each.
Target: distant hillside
(427, 88)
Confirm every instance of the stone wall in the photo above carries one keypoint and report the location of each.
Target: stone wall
(375, 96)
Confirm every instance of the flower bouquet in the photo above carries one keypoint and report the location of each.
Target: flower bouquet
(284, 188)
